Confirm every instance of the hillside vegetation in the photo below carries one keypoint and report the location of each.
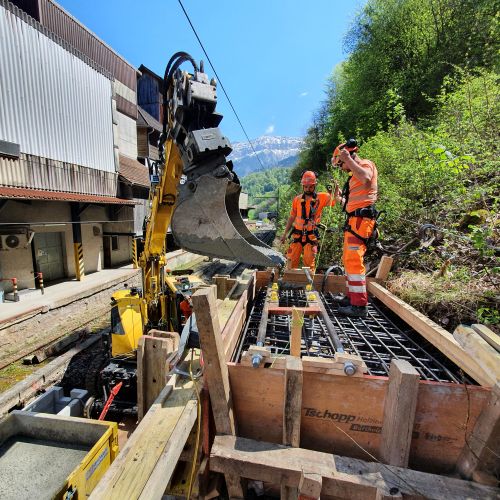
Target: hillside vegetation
(263, 189)
(419, 90)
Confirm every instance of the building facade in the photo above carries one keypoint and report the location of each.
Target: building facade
(72, 193)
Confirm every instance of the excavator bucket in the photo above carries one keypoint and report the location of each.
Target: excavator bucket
(207, 221)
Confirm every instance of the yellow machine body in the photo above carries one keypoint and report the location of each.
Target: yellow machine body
(128, 313)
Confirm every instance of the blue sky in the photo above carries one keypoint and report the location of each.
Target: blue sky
(273, 56)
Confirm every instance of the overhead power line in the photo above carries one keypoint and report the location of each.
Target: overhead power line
(220, 82)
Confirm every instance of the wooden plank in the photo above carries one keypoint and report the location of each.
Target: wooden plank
(205, 309)
(384, 267)
(335, 365)
(310, 311)
(296, 333)
(232, 328)
(341, 477)
(355, 411)
(490, 336)
(261, 332)
(129, 473)
(399, 413)
(476, 347)
(480, 454)
(152, 370)
(164, 468)
(432, 332)
(292, 401)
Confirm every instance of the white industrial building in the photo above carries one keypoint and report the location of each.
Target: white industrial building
(72, 193)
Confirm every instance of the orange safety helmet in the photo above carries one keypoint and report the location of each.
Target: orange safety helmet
(308, 178)
(351, 145)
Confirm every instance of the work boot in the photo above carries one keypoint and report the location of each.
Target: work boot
(341, 300)
(354, 311)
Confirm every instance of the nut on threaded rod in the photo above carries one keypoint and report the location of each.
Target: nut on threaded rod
(256, 360)
(349, 368)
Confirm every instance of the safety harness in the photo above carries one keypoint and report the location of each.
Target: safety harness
(302, 235)
(369, 212)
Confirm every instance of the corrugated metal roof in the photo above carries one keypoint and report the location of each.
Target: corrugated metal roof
(53, 104)
(35, 194)
(134, 172)
(144, 119)
(34, 172)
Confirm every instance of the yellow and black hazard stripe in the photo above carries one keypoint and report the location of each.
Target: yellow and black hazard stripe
(134, 253)
(79, 265)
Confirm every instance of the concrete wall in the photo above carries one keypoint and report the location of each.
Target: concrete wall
(18, 264)
(124, 253)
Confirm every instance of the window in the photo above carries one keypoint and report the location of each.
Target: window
(114, 242)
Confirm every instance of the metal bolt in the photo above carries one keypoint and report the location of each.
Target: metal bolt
(349, 368)
(256, 360)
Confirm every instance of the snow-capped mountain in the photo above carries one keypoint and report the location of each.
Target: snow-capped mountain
(272, 151)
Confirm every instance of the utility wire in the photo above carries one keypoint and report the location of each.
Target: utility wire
(220, 82)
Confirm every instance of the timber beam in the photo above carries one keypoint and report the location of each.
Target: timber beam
(341, 477)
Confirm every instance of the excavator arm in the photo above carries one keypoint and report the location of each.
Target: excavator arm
(206, 219)
(195, 192)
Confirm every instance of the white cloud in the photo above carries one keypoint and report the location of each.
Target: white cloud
(303, 94)
(270, 129)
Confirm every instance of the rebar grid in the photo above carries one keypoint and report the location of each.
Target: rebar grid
(377, 339)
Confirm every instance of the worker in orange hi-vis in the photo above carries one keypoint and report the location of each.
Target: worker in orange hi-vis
(305, 216)
(358, 199)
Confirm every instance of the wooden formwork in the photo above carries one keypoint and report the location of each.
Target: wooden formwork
(397, 420)
(311, 431)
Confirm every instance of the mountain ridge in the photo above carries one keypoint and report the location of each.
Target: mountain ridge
(272, 151)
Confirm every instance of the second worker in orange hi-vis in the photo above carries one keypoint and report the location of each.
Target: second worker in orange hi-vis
(305, 216)
(358, 202)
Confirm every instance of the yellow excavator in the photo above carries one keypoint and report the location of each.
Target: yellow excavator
(195, 192)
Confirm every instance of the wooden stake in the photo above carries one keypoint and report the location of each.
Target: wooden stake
(399, 413)
(205, 308)
(152, 370)
(384, 267)
(293, 401)
(310, 485)
(296, 334)
(481, 451)
(292, 408)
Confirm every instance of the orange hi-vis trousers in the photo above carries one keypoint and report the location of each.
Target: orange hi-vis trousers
(295, 251)
(354, 251)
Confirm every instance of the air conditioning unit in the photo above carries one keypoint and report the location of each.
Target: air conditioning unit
(12, 241)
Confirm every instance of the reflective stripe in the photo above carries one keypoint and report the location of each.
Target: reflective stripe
(356, 277)
(356, 289)
(353, 248)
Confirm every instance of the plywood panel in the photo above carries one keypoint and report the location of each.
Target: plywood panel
(340, 411)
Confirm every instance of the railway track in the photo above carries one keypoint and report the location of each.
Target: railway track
(68, 369)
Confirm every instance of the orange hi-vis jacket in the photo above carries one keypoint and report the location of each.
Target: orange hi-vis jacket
(362, 195)
(307, 212)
